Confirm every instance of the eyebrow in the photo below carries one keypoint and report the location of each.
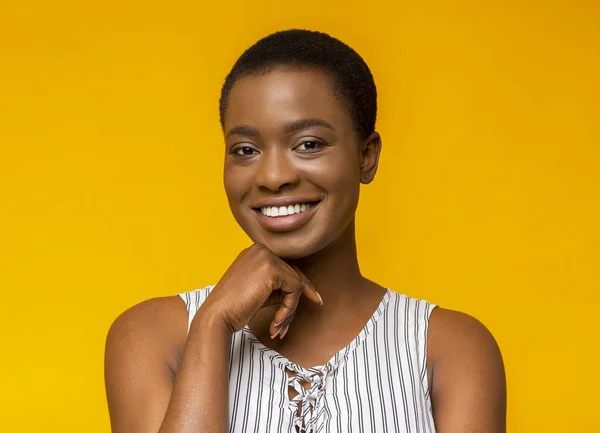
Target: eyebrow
(289, 127)
(246, 130)
(300, 124)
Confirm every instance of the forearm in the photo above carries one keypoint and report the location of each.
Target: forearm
(199, 401)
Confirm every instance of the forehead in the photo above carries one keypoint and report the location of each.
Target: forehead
(281, 95)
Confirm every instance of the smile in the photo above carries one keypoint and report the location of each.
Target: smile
(281, 211)
(287, 217)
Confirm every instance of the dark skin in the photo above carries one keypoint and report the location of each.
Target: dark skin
(328, 163)
(287, 136)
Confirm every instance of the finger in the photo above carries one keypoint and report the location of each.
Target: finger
(289, 303)
(273, 299)
(285, 330)
(282, 328)
(290, 287)
(290, 281)
(309, 290)
(285, 321)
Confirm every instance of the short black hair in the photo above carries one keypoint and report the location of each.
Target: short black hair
(306, 48)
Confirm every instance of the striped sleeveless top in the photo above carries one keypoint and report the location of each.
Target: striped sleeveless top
(377, 383)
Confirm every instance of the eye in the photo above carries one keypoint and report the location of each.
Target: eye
(310, 146)
(243, 151)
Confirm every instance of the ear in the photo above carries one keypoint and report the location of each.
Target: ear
(369, 152)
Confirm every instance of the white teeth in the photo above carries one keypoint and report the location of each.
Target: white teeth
(276, 211)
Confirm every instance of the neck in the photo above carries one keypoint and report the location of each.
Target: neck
(334, 271)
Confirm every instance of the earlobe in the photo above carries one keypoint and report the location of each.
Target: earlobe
(370, 151)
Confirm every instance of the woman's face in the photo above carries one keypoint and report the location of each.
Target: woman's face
(293, 162)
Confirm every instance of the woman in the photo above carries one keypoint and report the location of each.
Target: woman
(293, 338)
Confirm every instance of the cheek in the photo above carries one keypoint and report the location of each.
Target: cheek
(235, 183)
(229, 186)
(340, 178)
(348, 202)
(348, 183)
(234, 190)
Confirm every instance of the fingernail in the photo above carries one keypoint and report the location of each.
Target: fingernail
(276, 324)
(284, 332)
(319, 296)
(276, 333)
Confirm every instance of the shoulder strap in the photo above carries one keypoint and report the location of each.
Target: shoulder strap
(193, 300)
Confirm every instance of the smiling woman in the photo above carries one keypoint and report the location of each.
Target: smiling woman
(298, 114)
(301, 148)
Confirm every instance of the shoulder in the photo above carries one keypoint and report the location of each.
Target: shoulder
(157, 326)
(467, 373)
(143, 350)
(453, 335)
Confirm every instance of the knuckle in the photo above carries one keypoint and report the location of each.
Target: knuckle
(266, 267)
(273, 280)
(273, 261)
(261, 252)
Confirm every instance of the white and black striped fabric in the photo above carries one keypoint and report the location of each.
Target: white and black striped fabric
(378, 383)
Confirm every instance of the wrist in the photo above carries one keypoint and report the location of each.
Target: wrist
(209, 317)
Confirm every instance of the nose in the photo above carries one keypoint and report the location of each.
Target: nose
(276, 170)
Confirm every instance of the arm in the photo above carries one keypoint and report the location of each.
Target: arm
(468, 385)
(145, 347)
(160, 381)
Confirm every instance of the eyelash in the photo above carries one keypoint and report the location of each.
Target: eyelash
(234, 150)
(319, 145)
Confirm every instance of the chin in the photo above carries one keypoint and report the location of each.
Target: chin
(293, 254)
(290, 251)
(291, 247)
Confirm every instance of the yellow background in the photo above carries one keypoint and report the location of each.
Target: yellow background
(487, 200)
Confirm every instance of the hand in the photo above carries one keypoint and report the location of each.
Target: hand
(258, 278)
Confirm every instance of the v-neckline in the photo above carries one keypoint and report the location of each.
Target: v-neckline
(338, 357)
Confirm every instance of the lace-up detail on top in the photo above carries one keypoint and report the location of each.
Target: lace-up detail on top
(307, 405)
(307, 387)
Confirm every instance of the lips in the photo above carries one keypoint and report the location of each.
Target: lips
(279, 217)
